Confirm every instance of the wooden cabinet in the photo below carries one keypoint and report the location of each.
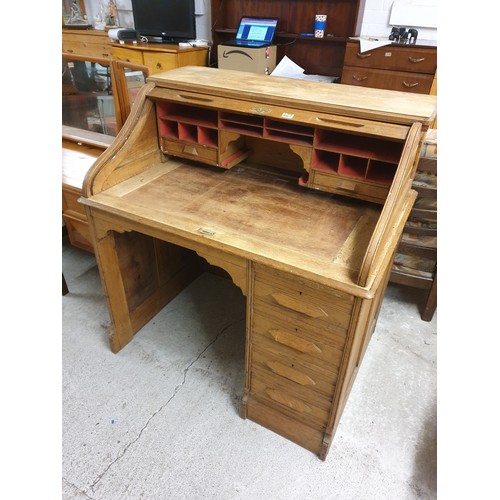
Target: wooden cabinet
(160, 57)
(408, 68)
(93, 43)
(207, 167)
(415, 262)
(322, 56)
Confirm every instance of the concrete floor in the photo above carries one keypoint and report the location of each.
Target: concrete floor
(159, 420)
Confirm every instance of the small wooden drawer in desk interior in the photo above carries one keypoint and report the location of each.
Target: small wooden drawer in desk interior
(359, 165)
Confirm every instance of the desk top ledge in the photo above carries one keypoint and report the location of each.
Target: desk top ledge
(383, 105)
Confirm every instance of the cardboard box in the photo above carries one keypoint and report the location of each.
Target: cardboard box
(254, 60)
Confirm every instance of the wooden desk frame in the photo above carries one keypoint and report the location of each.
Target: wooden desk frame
(313, 292)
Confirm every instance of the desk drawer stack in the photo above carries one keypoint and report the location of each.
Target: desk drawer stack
(299, 334)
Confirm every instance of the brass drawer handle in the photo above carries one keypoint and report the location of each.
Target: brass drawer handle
(415, 60)
(158, 65)
(410, 85)
(359, 78)
(363, 56)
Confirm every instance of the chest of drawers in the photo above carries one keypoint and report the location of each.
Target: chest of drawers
(408, 68)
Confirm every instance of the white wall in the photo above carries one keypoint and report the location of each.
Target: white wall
(376, 19)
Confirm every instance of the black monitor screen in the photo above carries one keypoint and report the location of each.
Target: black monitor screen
(168, 19)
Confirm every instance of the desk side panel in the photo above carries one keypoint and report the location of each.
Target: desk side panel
(134, 149)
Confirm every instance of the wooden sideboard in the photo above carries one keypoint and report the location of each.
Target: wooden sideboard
(404, 67)
(159, 57)
(156, 57)
(212, 166)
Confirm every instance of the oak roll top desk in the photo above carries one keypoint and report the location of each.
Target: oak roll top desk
(298, 190)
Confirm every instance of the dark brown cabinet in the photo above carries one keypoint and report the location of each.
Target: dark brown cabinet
(408, 68)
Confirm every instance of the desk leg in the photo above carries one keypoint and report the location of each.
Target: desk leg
(112, 281)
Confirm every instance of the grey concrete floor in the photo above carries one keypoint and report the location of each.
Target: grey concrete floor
(159, 420)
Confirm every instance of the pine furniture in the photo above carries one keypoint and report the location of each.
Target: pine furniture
(212, 167)
(159, 57)
(86, 42)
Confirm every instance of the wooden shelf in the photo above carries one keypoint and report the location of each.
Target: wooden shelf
(323, 56)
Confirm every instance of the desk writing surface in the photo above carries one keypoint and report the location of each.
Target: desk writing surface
(250, 213)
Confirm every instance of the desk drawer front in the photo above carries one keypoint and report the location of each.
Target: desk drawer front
(314, 303)
(70, 202)
(78, 232)
(95, 46)
(411, 59)
(416, 83)
(351, 187)
(160, 62)
(290, 399)
(189, 150)
(294, 337)
(294, 372)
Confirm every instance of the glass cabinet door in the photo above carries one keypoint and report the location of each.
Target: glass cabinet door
(88, 100)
